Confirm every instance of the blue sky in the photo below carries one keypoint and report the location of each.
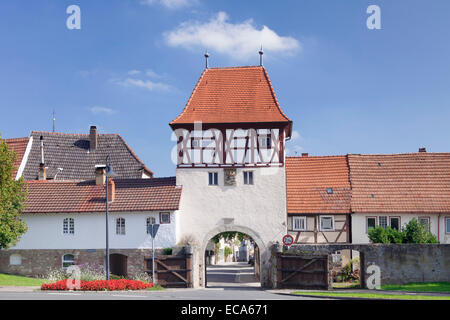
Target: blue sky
(132, 66)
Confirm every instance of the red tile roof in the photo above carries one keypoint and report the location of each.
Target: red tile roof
(400, 183)
(232, 95)
(307, 181)
(53, 196)
(19, 146)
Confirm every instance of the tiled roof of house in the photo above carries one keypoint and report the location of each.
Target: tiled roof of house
(307, 182)
(19, 146)
(85, 196)
(72, 153)
(400, 183)
(232, 95)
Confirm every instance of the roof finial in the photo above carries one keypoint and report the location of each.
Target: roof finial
(53, 119)
(206, 57)
(261, 52)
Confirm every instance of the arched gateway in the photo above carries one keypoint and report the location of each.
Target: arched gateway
(230, 158)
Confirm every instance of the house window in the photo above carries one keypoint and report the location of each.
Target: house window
(382, 221)
(120, 226)
(68, 226)
(164, 217)
(425, 221)
(326, 223)
(447, 225)
(248, 177)
(299, 223)
(394, 222)
(265, 141)
(68, 260)
(15, 259)
(150, 221)
(213, 178)
(371, 223)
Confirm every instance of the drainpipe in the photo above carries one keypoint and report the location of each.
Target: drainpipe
(439, 227)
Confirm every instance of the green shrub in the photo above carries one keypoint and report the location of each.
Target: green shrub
(167, 251)
(413, 232)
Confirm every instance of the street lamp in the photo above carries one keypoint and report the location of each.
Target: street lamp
(109, 173)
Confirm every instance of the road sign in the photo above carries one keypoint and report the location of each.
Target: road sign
(153, 228)
(288, 240)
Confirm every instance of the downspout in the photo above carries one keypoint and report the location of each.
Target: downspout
(439, 227)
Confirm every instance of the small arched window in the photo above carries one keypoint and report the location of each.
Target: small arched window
(68, 260)
(68, 226)
(120, 226)
(150, 221)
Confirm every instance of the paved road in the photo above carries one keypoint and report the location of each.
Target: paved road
(233, 281)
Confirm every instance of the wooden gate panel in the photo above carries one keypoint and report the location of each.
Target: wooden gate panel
(303, 272)
(172, 271)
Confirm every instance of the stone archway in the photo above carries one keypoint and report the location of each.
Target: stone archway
(263, 251)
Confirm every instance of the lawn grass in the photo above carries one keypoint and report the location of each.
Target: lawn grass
(10, 280)
(370, 295)
(419, 287)
(156, 287)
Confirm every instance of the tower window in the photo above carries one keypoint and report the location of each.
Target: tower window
(248, 177)
(213, 178)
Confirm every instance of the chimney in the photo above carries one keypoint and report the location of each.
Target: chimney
(100, 174)
(111, 190)
(93, 138)
(42, 169)
(422, 150)
(304, 155)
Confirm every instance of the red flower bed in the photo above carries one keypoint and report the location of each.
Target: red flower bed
(99, 285)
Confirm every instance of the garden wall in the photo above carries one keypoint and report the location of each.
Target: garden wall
(399, 263)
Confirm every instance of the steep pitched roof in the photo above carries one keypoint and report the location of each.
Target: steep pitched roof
(18, 145)
(400, 183)
(232, 95)
(307, 181)
(72, 153)
(131, 195)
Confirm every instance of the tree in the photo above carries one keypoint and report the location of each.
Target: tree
(413, 232)
(229, 235)
(12, 196)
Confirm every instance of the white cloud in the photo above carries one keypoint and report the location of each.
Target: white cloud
(170, 4)
(295, 135)
(240, 40)
(134, 72)
(152, 74)
(102, 110)
(146, 84)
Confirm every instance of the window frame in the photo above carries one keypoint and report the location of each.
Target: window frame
(332, 223)
(64, 261)
(68, 226)
(299, 217)
(399, 222)
(120, 227)
(161, 221)
(447, 224)
(387, 221)
(247, 174)
(428, 218)
(367, 222)
(215, 178)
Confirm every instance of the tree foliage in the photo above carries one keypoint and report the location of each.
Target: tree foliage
(12, 196)
(413, 232)
(229, 235)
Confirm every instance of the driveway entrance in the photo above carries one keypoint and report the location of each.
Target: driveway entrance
(232, 275)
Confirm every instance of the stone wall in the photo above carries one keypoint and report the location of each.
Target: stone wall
(40, 262)
(399, 263)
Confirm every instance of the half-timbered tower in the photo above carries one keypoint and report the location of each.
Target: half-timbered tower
(230, 160)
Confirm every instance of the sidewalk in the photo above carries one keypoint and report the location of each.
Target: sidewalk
(18, 289)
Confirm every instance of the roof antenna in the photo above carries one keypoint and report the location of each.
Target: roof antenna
(206, 57)
(53, 119)
(261, 52)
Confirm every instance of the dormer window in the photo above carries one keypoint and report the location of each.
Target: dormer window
(329, 190)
